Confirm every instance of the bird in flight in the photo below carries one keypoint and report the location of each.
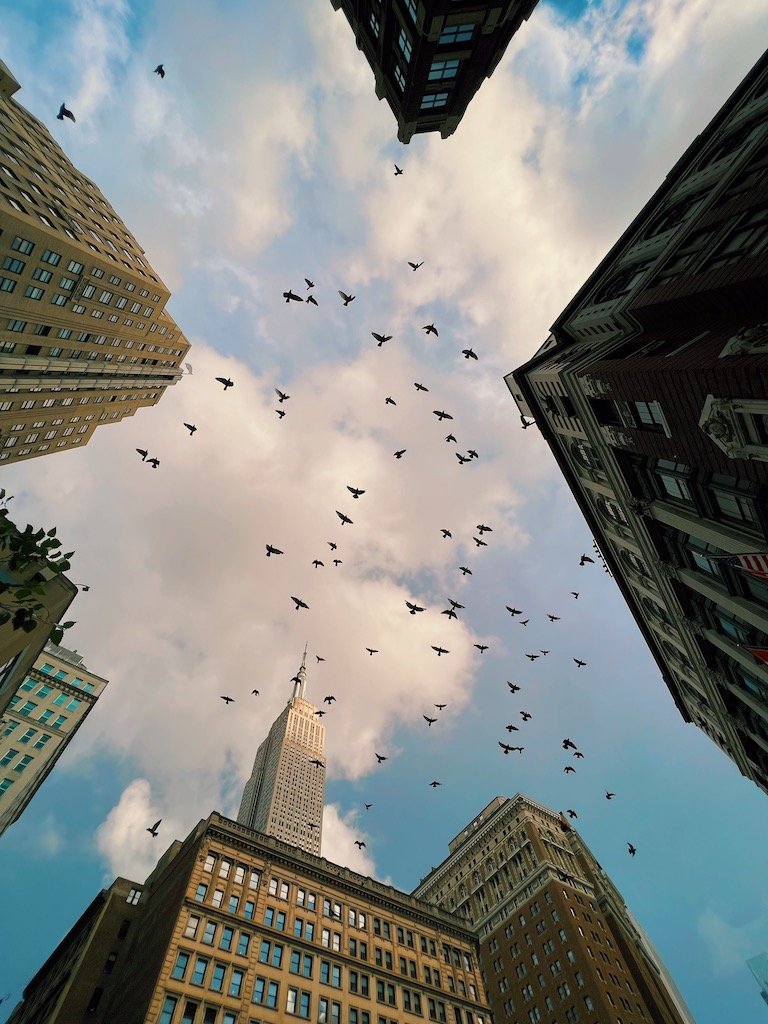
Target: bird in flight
(446, 533)
(631, 850)
(413, 608)
(319, 659)
(347, 298)
(191, 428)
(465, 571)
(309, 284)
(281, 395)
(359, 844)
(482, 528)
(372, 651)
(442, 415)
(580, 664)
(568, 743)
(399, 454)
(154, 463)
(454, 604)
(419, 387)
(578, 753)
(312, 299)
(429, 720)
(572, 813)
(526, 716)
(159, 70)
(430, 329)
(525, 422)
(355, 491)
(569, 768)
(462, 458)
(440, 650)
(434, 784)
(512, 611)
(398, 170)
(292, 295)
(317, 762)
(451, 437)
(472, 453)
(299, 603)
(543, 652)
(271, 550)
(380, 757)
(331, 545)
(585, 558)
(318, 564)
(440, 707)
(280, 412)
(320, 713)
(415, 266)
(513, 687)
(254, 693)
(226, 382)
(337, 562)
(153, 828)
(609, 796)
(228, 700)
(329, 699)
(511, 728)
(481, 647)
(389, 401)
(532, 657)
(504, 746)
(469, 353)
(480, 543)
(368, 806)
(575, 594)
(63, 112)
(381, 338)
(343, 518)
(524, 622)
(450, 613)
(143, 453)
(553, 618)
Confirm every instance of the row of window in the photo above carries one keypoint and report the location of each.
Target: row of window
(29, 706)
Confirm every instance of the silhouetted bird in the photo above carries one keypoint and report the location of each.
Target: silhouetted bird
(575, 594)
(331, 545)
(380, 757)
(329, 699)
(440, 650)
(513, 687)
(359, 844)
(512, 611)
(480, 543)
(524, 622)
(568, 743)
(454, 604)
(472, 453)
(191, 428)
(468, 353)
(532, 657)
(526, 716)
(228, 700)
(434, 784)
(337, 561)
(319, 659)
(346, 298)
(143, 453)
(280, 412)
(254, 693)
(442, 415)
(159, 70)
(482, 528)
(580, 664)
(299, 603)
(372, 651)
(440, 707)
(553, 618)
(462, 458)
(320, 713)
(430, 329)
(312, 299)
(381, 338)
(450, 613)
(399, 454)
(419, 387)
(317, 762)
(292, 295)
(154, 463)
(271, 550)
(413, 608)
(226, 382)
(355, 491)
(389, 401)
(569, 768)
(344, 519)
(609, 796)
(153, 829)
(368, 806)
(309, 284)
(543, 652)
(429, 720)
(446, 533)
(281, 395)
(578, 753)
(572, 814)
(481, 647)
(63, 112)
(525, 422)
(585, 558)
(451, 437)
(398, 170)
(465, 571)
(415, 266)
(505, 747)
(318, 564)
(631, 850)
(511, 728)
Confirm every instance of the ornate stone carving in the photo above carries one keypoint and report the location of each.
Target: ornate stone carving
(616, 437)
(593, 387)
(720, 422)
(748, 341)
(639, 506)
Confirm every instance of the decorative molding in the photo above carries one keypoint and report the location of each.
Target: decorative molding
(667, 570)
(593, 387)
(719, 422)
(640, 506)
(616, 437)
(749, 341)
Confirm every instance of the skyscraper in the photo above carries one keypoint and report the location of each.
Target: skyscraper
(84, 335)
(651, 393)
(285, 794)
(40, 720)
(555, 935)
(428, 58)
(758, 965)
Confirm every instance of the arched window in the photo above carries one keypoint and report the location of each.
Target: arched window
(728, 145)
(619, 283)
(656, 610)
(672, 215)
(675, 654)
(635, 563)
(584, 454)
(612, 510)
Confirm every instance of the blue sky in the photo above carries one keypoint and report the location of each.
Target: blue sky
(250, 166)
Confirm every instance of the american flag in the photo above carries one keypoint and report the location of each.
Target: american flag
(761, 653)
(755, 563)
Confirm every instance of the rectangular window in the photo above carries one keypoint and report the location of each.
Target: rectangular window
(236, 981)
(201, 967)
(405, 45)
(457, 34)
(193, 922)
(442, 69)
(7, 284)
(22, 245)
(180, 967)
(168, 1010)
(649, 415)
(13, 265)
(33, 292)
(209, 933)
(217, 979)
(434, 100)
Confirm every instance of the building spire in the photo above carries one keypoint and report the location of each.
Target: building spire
(300, 679)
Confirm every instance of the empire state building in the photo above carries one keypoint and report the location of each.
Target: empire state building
(285, 794)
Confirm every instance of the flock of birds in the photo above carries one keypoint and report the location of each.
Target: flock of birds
(412, 607)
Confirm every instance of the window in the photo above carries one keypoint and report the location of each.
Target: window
(201, 967)
(7, 284)
(649, 415)
(442, 69)
(49, 256)
(457, 34)
(399, 76)
(33, 292)
(217, 979)
(404, 44)
(13, 265)
(193, 922)
(180, 967)
(74, 267)
(249, 909)
(218, 897)
(22, 245)
(234, 903)
(200, 892)
(433, 100)
(265, 992)
(236, 981)
(732, 505)
(209, 933)
(169, 1007)
(374, 23)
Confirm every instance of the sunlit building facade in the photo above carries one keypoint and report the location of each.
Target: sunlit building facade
(85, 338)
(429, 57)
(557, 942)
(285, 794)
(651, 393)
(40, 720)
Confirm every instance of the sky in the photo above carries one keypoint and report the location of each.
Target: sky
(263, 158)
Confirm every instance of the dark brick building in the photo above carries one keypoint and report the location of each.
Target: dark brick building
(652, 392)
(429, 57)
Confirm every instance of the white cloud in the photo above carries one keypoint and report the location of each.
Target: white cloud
(122, 838)
(732, 942)
(340, 832)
